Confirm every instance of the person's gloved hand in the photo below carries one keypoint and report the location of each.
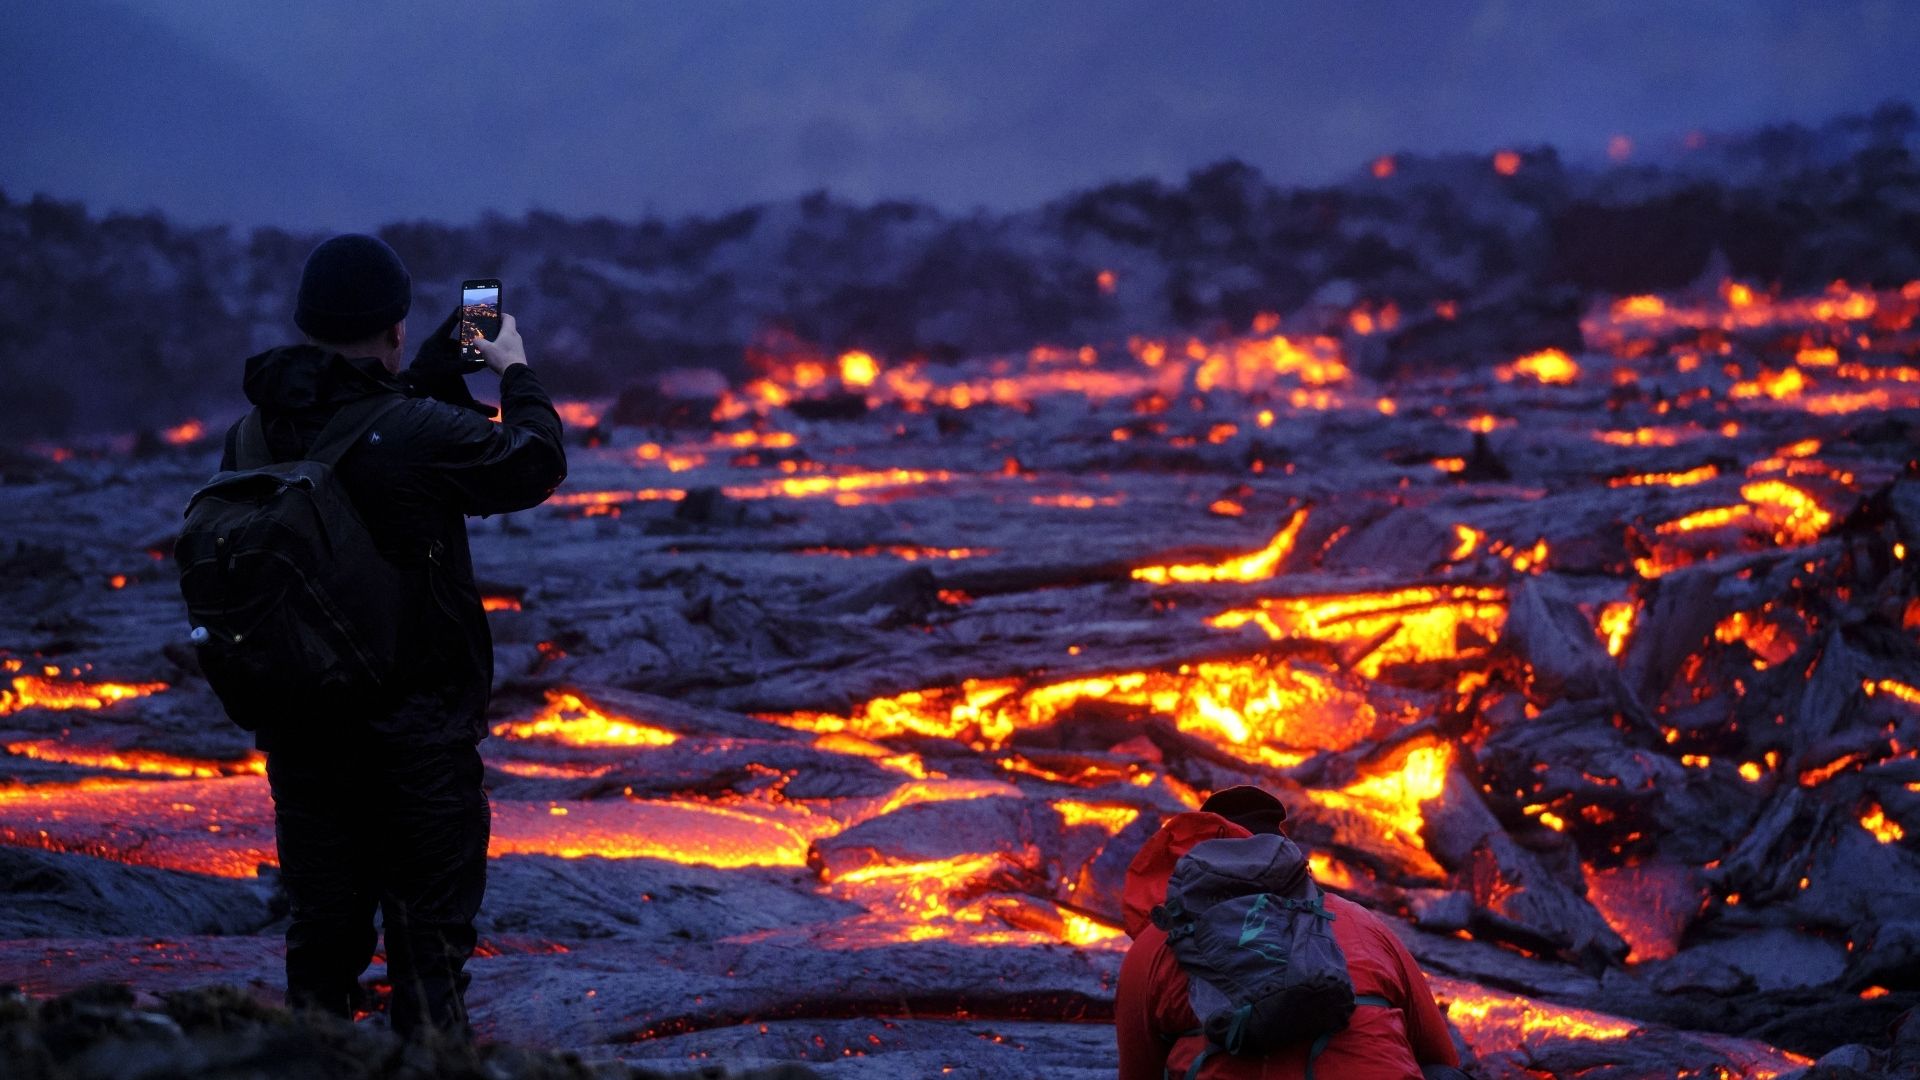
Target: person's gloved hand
(439, 372)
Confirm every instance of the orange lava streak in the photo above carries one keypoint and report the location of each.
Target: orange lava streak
(898, 551)
(1109, 816)
(1908, 694)
(792, 487)
(1712, 518)
(137, 761)
(691, 833)
(1884, 829)
(1268, 711)
(1394, 798)
(1688, 478)
(222, 826)
(1820, 774)
(571, 719)
(1469, 538)
(1780, 385)
(763, 440)
(858, 369)
(578, 414)
(1795, 516)
(1422, 623)
(839, 742)
(1645, 437)
(1648, 905)
(1490, 1020)
(1549, 366)
(184, 433)
(38, 692)
(1616, 625)
(1257, 566)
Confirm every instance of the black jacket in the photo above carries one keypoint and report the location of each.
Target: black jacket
(414, 479)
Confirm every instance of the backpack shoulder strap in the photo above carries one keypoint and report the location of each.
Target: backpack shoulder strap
(353, 420)
(250, 450)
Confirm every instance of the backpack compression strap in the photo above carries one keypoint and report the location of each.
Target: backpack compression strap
(1313, 1052)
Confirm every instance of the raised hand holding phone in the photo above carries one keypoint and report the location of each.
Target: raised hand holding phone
(504, 350)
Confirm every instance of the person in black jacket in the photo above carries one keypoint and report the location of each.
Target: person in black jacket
(385, 810)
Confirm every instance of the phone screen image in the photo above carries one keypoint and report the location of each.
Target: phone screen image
(479, 316)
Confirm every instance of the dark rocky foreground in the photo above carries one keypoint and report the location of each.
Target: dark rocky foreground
(108, 1032)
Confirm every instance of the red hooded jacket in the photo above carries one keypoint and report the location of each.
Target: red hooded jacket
(1152, 1006)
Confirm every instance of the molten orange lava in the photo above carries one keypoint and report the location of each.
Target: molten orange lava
(1469, 538)
(1269, 711)
(1490, 1020)
(1257, 566)
(1398, 626)
(683, 832)
(1699, 475)
(46, 692)
(1794, 515)
(578, 414)
(1395, 797)
(1884, 829)
(858, 369)
(137, 761)
(1712, 518)
(1616, 625)
(1549, 366)
(181, 434)
(575, 721)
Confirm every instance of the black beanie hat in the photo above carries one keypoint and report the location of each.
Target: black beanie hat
(1248, 807)
(353, 287)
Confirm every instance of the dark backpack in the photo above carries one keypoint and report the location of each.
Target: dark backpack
(1252, 931)
(295, 612)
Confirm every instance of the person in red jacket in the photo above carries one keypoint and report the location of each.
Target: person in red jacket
(1153, 1018)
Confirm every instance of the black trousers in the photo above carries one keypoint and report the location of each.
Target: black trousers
(364, 826)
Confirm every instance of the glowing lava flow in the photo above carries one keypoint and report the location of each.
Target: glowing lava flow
(1398, 626)
(1258, 566)
(1794, 515)
(222, 827)
(681, 832)
(1394, 797)
(1490, 1020)
(38, 692)
(137, 761)
(572, 719)
(1550, 366)
(1615, 625)
(1271, 711)
(847, 488)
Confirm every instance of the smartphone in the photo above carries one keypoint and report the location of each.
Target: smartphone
(479, 317)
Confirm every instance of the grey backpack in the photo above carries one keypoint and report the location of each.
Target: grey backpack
(1252, 931)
